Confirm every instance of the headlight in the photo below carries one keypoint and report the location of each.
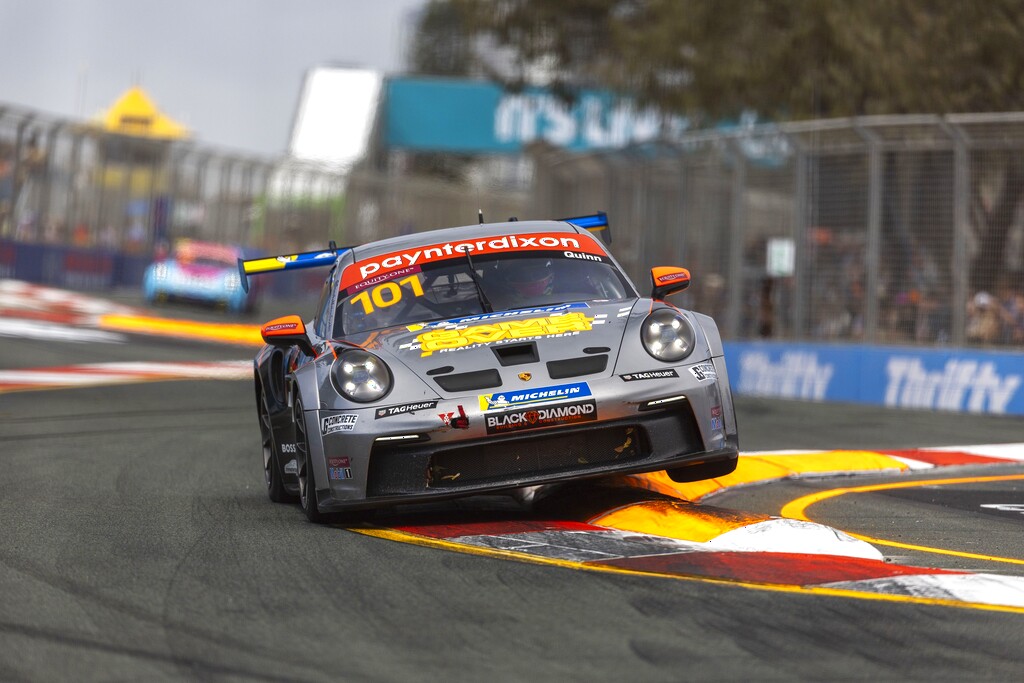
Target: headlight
(361, 376)
(667, 335)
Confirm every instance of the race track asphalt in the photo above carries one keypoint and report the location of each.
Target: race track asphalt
(137, 543)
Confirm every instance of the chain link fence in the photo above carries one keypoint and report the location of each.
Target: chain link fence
(898, 230)
(64, 182)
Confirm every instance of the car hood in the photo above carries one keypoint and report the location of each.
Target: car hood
(511, 342)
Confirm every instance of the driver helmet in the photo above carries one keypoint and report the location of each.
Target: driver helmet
(532, 278)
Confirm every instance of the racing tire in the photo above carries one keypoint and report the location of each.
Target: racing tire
(272, 471)
(706, 470)
(306, 473)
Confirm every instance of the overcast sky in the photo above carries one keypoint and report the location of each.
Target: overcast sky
(230, 70)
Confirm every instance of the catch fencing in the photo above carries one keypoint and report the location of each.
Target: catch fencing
(69, 186)
(878, 230)
(889, 230)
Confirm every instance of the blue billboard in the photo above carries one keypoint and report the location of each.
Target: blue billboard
(449, 115)
(962, 380)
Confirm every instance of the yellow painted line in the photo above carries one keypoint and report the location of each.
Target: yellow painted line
(676, 519)
(413, 539)
(796, 509)
(753, 469)
(223, 332)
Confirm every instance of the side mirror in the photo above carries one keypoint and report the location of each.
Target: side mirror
(667, 280)
(286, 332)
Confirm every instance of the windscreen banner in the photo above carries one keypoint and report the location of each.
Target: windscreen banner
(961, 380)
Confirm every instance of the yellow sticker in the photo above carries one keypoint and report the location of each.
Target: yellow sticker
(446, 340)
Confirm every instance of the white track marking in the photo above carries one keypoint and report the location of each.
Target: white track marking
(987, 589)
(122, 373)
(30, 329)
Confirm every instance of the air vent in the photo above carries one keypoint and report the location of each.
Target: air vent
(470, 381)
(574, 367)
(443, 370)
(516, 354)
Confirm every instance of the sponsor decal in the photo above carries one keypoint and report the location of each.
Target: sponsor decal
(338, 423)
(381, 278)
(391, 411)
(543, 241)
(704, 372)
(584, 257)
(338, 462)
(339, 473)
(716, 411)
(525, 376)
(716, 424)
(960, 385)
(511, 399)
(461, 323)
(672, 277)
(797, 375)
(649, 374)
(280, 327)
(564, 325)
(287, 259)
(292, 467)
(546, 416)
(287, 448)
(453, 421)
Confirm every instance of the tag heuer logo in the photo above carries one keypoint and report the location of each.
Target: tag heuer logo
(525, 376)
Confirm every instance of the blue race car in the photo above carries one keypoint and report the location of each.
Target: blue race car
(199, 272)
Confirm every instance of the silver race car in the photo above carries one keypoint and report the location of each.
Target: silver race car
(484, 358)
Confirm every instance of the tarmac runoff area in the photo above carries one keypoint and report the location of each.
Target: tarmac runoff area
(667, 530)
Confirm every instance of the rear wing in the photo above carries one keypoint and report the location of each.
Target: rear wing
(269, 264)
(595, 223)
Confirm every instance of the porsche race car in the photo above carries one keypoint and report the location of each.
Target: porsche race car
(199, 272)
(485, 358)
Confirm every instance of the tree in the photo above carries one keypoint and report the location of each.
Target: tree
(785, 59)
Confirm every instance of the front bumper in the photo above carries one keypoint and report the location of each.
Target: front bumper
(417, 457)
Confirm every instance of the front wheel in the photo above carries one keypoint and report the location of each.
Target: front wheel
(307, 477)
(272, 472)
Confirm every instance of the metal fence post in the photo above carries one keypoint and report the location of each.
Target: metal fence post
(874, 232)
(961, 228)
(734, 312)
(800, 214)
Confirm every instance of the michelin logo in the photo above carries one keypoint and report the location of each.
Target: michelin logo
(796, 375)
(509, 399)
(961, 385)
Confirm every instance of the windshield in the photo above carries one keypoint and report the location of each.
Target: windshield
(446, 290)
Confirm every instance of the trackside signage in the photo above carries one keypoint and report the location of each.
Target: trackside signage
(962, 380)
(571, 243)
